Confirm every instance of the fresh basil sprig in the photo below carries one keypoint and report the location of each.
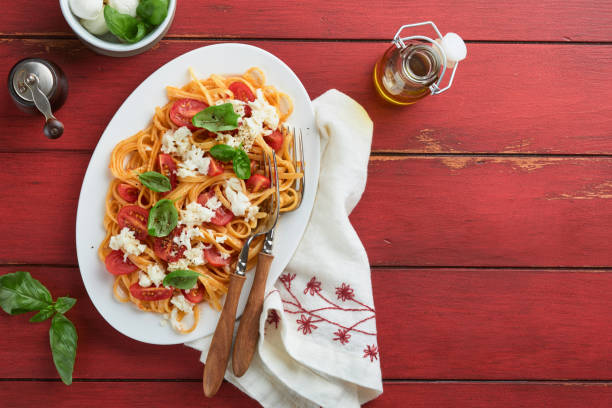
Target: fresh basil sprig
(181, 279)
(155, 181)
(124, 26)
(241, 162)
(162, 218)
(217, 118)
(152, 11)
(20, 293)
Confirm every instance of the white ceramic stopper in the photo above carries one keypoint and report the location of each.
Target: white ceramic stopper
(454, 47)
(87, 9)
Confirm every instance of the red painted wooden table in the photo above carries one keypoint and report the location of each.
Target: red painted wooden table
(487, 215)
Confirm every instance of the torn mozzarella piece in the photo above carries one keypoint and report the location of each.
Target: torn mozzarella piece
(126, 241)
(196, 214)
(238, 200)
(156, 274)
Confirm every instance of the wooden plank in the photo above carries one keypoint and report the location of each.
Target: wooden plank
(577, 20)
(470, 211)
(511, 98)
(443, 324)
(418, 395)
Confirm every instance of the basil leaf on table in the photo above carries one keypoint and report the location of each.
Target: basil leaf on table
(21, 293)
(181, 279)
(153, 11)
(242, 164)
(217, 118)
(223, 152)
(124, 26)
(63, 340)
(162, 218)
(64, 304)
(43, 315)
(155, 181)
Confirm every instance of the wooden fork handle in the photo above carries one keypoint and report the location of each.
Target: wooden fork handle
(221, 345)
(248, 331)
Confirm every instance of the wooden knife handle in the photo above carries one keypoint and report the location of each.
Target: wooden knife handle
(221, 345)
(248, 331)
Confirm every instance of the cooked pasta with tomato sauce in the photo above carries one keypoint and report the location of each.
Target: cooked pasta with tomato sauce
(186, 192)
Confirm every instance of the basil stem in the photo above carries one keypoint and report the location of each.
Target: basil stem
(162, 218)
(181, 279)
(155, 181)
(217, 118)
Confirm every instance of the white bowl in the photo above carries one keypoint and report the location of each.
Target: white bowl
(115, 48)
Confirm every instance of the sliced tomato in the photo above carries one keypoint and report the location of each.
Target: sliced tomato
(248, 112)
(222, 214)
(150, 293)
(167, 167)
(117, 266)
(195, 295)
(134, 218)
(258, 182)
(166, 248)
(274, 140)
(242, 91)
(127, 192)
(214, 168)
(214, 258)
(183, 110)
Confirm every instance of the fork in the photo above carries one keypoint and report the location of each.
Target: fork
(220, 347)
(248, 331)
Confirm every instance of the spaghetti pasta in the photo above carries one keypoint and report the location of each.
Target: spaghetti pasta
(209, 248)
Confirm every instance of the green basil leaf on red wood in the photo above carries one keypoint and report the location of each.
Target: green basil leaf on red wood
(63, 340)
(181, 279)
(127, 28)
(217, 118)
(162, 218)
(223, 152)
(153, 11)
(155, 181)
(64, 304)
(21, 293)
(43, 315)
(242, 164)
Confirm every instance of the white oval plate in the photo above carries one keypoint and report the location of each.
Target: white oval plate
(135, 114)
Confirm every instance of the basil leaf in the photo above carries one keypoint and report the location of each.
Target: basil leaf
(153, 11)
(20, 293)
(162, 218)
(217, 118)
(155, 181)
(181, 279)
(242, 164)
(63, 340)
(223, 152)
(124, 26)
(64, 304)
(43, 315)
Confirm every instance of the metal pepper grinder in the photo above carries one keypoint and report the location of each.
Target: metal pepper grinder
(38, 84)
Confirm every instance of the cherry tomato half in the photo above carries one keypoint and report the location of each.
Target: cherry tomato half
(195, 295)
(167, 167)
(213, 257)
(242, 91)
(183, 110)
(150, 293)
(222, 214)
(166, 248)
(134, 218)
(275, 140)
(127, 192)
(258, 182)
(115, 264)
(214, 168)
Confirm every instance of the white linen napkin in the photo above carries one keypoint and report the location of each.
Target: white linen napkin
(318, 344)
